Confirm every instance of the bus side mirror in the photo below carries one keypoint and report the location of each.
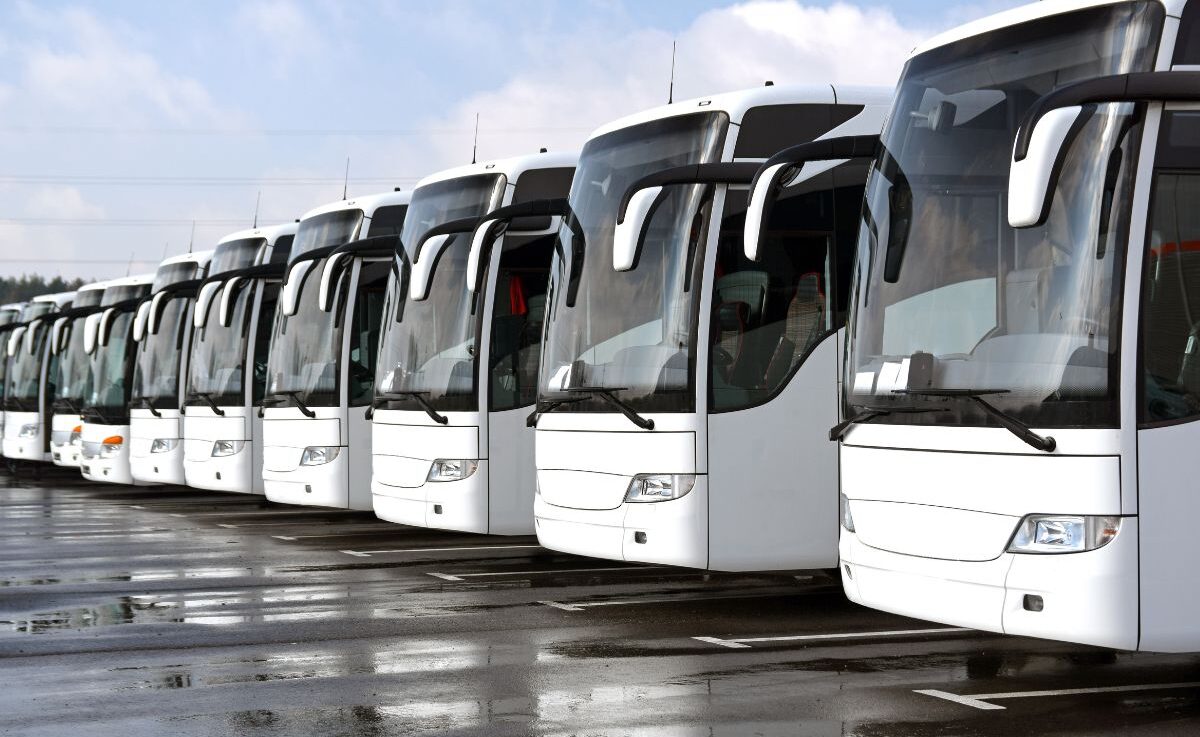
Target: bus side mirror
(14, 341)
(31, 338)
(105, 327)
(422, 271)
(56, 335)
(1033, 177)
(91, 329)
(203, 300)
(329, 280)
(631, 229)
(157, 304)
(289, 296)
(225, 316)
(486, 231)
(758, 206)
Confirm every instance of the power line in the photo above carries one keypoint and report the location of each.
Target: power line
(160, 181)
(115, 130)
(90, 222)
(78, 261)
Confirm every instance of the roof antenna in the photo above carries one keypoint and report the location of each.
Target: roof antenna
(129, 266)
(192, 240)
(671, 89)
(257, 202)
(346, 181)
(475, 145)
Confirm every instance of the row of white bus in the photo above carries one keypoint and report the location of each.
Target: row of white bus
(641, 352)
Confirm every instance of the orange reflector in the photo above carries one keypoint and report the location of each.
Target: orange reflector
(77, 428)
(114, 440)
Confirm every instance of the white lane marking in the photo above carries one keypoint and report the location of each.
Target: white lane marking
(283, 537)
(462, 576)
(739, 642)
(564, 607)
(579, 606)
(369, 553)
(226, 526)
(356, 530)
(136, 506)
(979, 701)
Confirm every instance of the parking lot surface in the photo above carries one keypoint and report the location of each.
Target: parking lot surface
(139, 611)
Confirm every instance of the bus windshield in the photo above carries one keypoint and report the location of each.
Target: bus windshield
(25, 370)
(156, 373)
(432, 349)
(306, 348)
(1030, 318)
(74, 382)
(633, 332)
(109, 368)
(218, 363)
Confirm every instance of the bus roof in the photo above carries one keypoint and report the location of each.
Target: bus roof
(367, 203)
(735, 104)
(270, 233)
(511, 167)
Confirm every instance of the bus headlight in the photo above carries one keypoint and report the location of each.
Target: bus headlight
(847, 518)
(444, 469)
(76, 435)
(318, 455)
(163, 445)
(111, 446)
(1061, 533)
(222, 448)
(28, 431)
(659, 487)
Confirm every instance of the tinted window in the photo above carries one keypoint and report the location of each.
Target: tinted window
(768, 314)
(282, 250)
(540, 184)
(1187, 43)
(262, 339)
(768, 129)
(1171, 278)
(364, 332)
(387, 220)
(518, 313)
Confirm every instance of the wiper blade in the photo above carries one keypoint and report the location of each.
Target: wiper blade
(207, 400)
(300, 405)
(420, 399)
(839, 430)
(607, 395)
(95, 412)
(549, 405)
(1044, 443)
(148, 403)
(64, 402)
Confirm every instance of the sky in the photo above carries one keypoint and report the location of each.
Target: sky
(130, 131)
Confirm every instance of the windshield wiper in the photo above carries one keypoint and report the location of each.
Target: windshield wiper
(541, 408)
(607, 395)
(839, 430)
(1045, 443)
(65, 402)
(95, 412)
(419, 398)
(148, 403)
(207, 400)
(295, 396)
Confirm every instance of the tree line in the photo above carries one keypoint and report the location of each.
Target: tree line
(21, 288)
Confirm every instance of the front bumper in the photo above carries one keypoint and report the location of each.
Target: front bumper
(447, 505)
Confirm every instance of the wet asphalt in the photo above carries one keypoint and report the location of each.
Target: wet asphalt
(169, 611)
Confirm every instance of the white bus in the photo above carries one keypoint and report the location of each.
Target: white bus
(685, 390)
(321, 368)
(10, 318)
(72, 374)
(108, 341)
(458, 360)
(1022, 382)
(227, 373)
(163, 333)
(30, 380)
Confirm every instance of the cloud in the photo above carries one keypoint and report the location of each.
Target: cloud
(93, 72)
(282, 32)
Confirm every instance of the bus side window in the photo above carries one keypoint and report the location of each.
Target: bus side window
(262, 339)
(1170, 321)
(518, 313)
(767, 315)
(365, 326)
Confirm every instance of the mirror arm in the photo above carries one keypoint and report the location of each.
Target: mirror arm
(726, 172)
(462, 225)
(1134, 87)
